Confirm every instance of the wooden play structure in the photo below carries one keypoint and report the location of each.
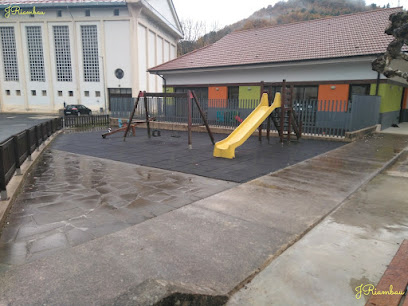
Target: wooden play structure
(189, 96)
(285, 119)
(280, 112)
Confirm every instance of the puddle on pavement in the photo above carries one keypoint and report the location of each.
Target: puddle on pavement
(70, 199)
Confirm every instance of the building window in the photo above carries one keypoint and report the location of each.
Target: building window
(44, 93)
(32, 15)
(70, 93)
(35, 54)
(7, 92)
(97, 93)
(59, 93)
(18, 92)
(33, 92)
(201, 92)
(233, 92)
(86, 93)
(363, 89)
(62, 53)
(116, 12)
(90, 53)
(8, 44)
(87, 13)
(305, 92)
(59, 13)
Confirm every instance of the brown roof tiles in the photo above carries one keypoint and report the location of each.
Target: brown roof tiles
(342, 36)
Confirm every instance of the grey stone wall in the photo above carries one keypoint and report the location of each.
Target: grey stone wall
(404, 115)
(387, 119)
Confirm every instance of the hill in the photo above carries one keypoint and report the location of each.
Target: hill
(281, 13)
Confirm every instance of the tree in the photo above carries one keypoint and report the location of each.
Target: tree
(398, 29)
(192, 31)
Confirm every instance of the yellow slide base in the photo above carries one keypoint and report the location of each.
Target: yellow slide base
(226, 148)
(228, 152)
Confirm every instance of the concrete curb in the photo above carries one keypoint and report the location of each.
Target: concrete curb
(352, 136)
(17, 181)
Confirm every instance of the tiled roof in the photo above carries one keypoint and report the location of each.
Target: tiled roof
(34, 2)
(342, 36)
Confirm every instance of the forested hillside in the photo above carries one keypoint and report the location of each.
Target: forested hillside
(280, 13)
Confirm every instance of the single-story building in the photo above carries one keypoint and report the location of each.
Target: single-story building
(56, 52)
(325, 59)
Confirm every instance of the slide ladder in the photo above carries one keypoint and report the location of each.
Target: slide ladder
(286, 121)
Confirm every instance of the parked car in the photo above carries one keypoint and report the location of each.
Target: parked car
(76, 110)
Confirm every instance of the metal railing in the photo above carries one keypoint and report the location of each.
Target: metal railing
(324, 118)
(17, 148)
(86, 121)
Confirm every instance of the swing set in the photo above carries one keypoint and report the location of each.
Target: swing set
(190, 96)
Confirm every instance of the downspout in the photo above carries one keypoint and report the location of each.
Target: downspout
(164, 80)
(377, 84)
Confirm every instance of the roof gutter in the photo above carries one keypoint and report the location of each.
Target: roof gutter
(64, 4)
(258, 64)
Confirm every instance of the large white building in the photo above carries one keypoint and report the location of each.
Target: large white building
(82, 52)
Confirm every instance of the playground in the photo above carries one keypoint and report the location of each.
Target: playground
(154, 218)
(194, 153)
(170, 152)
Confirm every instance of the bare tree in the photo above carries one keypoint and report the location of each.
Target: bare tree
(193, 29)
(398, 29)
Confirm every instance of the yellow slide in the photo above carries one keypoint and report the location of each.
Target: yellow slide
(226, 148)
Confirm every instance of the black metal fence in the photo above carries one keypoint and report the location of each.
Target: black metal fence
(86, 121)
(17, 148)
(327, 118)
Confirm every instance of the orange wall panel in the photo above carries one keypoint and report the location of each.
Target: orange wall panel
(217, 96)
(405, 99)
(339, 93)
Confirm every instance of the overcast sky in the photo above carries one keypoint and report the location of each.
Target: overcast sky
(225, 12)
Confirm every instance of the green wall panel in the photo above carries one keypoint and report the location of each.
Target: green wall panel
(169, 101)
(247, 93)
(391, 96)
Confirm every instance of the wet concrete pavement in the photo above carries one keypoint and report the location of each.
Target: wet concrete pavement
(253, 158)
(71, 199)
(352, 246)
(11, 123)
(213, 244)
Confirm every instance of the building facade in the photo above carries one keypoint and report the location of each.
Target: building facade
(69, 52)
(325, 59)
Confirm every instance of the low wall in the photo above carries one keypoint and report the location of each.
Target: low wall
(387, 119)
(404, 115)
(351, 136)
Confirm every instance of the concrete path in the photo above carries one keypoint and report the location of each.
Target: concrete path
(209, 247)
(70, 199)
(402, 129)
(351, 247)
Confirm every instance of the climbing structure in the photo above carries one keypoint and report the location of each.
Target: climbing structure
(285, 118)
